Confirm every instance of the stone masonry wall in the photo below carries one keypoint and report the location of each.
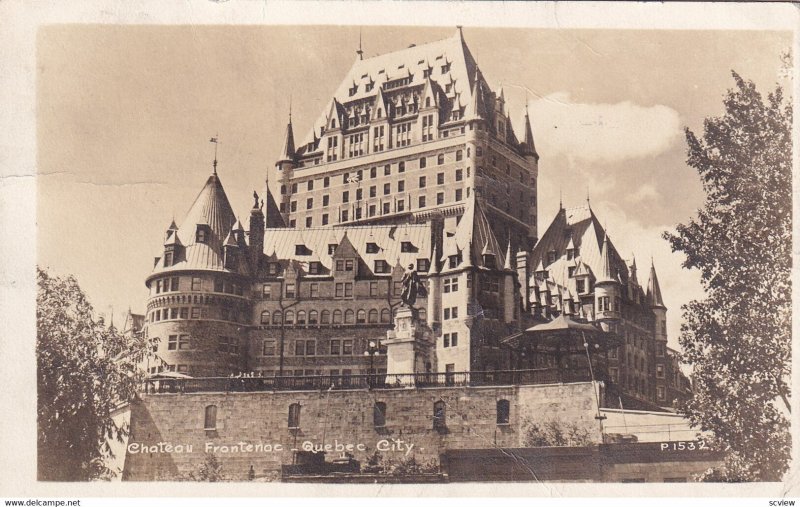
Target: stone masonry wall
(337, 418)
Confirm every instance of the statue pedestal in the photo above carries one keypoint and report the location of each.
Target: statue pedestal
(407, 350)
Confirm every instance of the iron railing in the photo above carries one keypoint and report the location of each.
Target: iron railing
(369, 381)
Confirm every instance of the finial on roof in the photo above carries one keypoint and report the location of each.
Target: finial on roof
(290, 108)
(215, 140)
(560, 199)
(588, 202)
(360, 52)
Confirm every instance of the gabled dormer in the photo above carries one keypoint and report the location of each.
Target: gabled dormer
(173, 248)
(231, 252)
(345, 259)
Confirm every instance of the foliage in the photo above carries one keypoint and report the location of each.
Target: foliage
(738, 339)
(84, 372)
(555, 433)
(210, 471)
(376, 464)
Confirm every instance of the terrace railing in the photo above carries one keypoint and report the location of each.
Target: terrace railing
(369, 381)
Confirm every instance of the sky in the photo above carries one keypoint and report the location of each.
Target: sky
(125, 114)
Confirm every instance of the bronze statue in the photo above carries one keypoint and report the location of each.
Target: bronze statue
(255, 197)
(412, 287)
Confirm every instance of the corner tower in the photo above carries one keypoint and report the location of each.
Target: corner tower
(197, 308)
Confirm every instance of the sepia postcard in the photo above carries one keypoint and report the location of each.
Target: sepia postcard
(398, 249)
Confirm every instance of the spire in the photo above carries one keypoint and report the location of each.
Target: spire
(653, 289)
(474, 109)
(507, 265)
(606, 274)
(287, 155)
(528, 146)
(360, 52)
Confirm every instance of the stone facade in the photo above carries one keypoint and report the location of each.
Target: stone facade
(469, 421)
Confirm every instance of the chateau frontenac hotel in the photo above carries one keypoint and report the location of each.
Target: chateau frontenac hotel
(413, 166)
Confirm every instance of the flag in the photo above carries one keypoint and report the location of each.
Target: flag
(213, 140)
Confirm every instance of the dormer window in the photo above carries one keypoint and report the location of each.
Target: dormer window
(202, 234)
(314, 268)
(454, 261)
(332, 248)
(302, 250)
(423, 265)
(372, 248)
(580, 286)
(551, 257)
(381, 266)
(273, 268)
(571, 270)
(488, 260)
(168, 256)
(406, 247)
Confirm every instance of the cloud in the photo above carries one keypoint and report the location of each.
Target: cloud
(643, 193)
(602, 132)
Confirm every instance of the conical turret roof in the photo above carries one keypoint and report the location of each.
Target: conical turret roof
(606, 273)
(288, 151)
(211, 207)
(654, 289)
(528, 146)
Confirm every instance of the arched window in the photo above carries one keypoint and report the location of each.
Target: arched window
(265, 317)
(427, 102)
(386, 316)
(439, 415)
(210, 422)
(361, 316)
(326, 317)
(313, 317)
(289, 317)
(459, 155)
(349, 317)
(440, 159)
(503, 411)
(294, 415)
(277, 316)
(379, 414)
(373, 316)
(337, 316)
(301, 318)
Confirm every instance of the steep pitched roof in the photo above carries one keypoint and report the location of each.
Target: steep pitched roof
(449, 60)
(389, 238)
(654, 289)
(212, 209)
(474, 235)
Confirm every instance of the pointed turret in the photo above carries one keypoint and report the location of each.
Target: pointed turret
(507, 265)
(528, 146)
(607, 288)
(475, 109)
(654, 290)
(288, 152)
(606, 274)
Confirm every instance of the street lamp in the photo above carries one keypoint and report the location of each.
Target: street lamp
(372, 351)
(599, 417)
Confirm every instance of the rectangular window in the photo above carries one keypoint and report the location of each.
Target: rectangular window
(173, 313)
(446, 340)
(423, 265)
(387, 170)
(451, 284)
(325, 219)
(401, 205)
(314, 267)
(348, 290)
(659, 371)
(454, 339)
(373, 191)
(440, 179)
(314, 290)
(309, 221)
(309, 203)
(345, 215)
(184, 313)
(293, 206)
(422, 181)
(345, 196)
(459, 194)
(381, 266)
(459, 175)
(387, 188)
(335, 347)
(423, 162)
(290, 290)
(172, 344)
(326, 199)
(299, 348)
(197, 283)
(401, 186)
(386, 208)
(266, 291)
(422, 201)
(311, 347)
(195, 312)
(440, 198)
(184, 342)
(339, 290)
(373, 289)
(347, 347)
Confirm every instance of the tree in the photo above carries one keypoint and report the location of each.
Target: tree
(84, 372)
(738, 339)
